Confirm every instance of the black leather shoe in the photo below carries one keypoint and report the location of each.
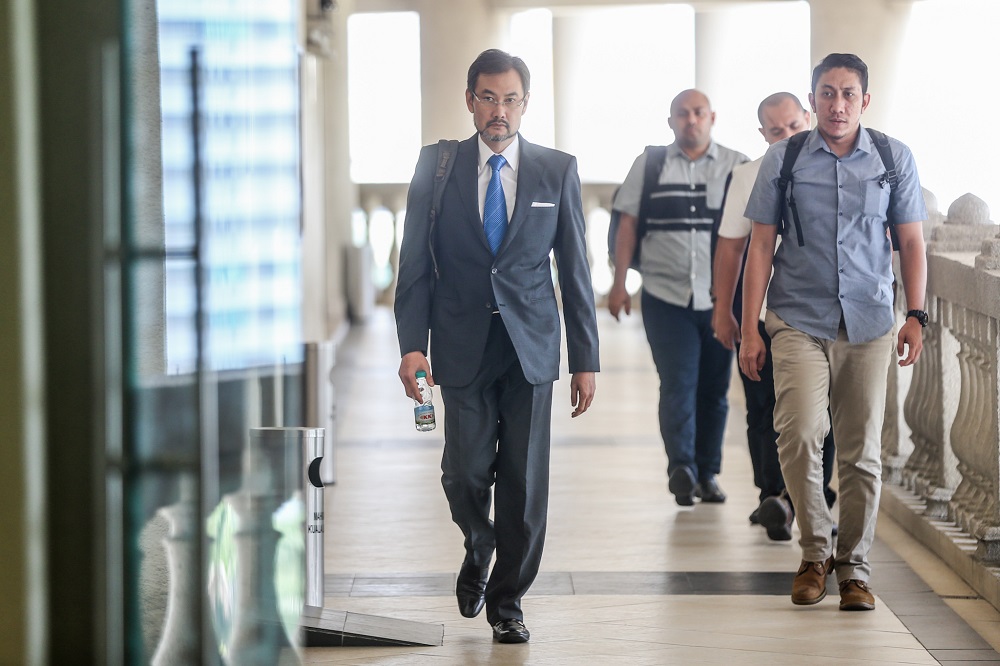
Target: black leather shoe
(776, 516)
(510, 631)
(710, 491)
(682, 485)
(471, 589)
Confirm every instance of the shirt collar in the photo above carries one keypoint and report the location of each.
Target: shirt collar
(511, 153)
(673, 150)
(817, 142)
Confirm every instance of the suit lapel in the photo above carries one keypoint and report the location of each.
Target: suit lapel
(529, 172)
(467, 175)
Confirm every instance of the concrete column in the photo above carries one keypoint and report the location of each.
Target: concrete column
(23, 586)
(564, 73)
(341, 195)
(709, 61)
(451, 36)
(872, 30)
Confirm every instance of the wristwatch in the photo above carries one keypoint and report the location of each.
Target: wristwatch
(919, 315)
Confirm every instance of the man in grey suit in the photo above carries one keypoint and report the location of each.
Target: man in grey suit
(480, 282)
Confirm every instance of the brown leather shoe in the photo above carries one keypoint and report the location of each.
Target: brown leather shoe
(856, 595)
(809, 586)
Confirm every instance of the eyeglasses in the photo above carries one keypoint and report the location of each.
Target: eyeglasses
(509, 103)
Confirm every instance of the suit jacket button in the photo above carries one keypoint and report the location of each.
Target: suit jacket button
(489, 306)
(494, 271)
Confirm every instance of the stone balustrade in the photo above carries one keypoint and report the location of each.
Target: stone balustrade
(944, 484)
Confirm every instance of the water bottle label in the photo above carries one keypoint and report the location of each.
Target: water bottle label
(424, 414)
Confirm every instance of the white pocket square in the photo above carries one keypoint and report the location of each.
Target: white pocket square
(541, 204)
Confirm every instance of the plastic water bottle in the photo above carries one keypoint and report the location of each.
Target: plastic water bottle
(423, 409)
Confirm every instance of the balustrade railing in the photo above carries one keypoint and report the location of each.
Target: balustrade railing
(951, 404)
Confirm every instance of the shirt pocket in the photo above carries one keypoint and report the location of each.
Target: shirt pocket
(715, 190)
(876, 198)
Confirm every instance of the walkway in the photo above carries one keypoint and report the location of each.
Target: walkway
(628, 577)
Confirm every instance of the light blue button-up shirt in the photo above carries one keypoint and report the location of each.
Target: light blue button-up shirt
(844, 270)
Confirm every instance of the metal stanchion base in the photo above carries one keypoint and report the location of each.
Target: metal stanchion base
(322, 627)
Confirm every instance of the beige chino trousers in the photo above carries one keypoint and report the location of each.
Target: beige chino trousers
(809, 374)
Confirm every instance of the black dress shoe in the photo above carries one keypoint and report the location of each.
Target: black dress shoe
(510, 631)
(471, 589)
(681, 483)
(776, 516)
(710, 491)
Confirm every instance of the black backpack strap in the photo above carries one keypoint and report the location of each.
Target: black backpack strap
(446, 154)
(655, 157)
(881, 142)
(795, 143)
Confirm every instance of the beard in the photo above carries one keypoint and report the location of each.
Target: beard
(496, 132)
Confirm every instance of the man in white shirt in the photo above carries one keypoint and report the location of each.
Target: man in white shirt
(781, 115)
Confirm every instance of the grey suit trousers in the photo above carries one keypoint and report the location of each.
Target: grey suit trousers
(497, 432)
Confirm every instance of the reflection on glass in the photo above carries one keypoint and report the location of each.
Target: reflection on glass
(256, 567)
(192, 393)
(251, 183)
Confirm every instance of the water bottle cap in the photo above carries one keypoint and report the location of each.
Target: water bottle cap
(421, 373)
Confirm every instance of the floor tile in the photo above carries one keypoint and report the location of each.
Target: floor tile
(627, 577)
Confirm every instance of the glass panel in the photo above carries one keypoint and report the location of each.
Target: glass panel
(212, 300)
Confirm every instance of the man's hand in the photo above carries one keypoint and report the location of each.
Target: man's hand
(752, 354)
(619, 298)
(582, 387)
(726, 328)
(408, 366)
(911, 341)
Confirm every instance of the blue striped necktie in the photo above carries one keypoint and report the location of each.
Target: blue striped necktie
(495, 207)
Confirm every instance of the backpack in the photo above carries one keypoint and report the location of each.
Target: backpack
(655, 156)
(446, 151)
(795, 143)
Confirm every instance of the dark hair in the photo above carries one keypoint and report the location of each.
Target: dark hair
(774, 100)
(495, 61)
(845, 60)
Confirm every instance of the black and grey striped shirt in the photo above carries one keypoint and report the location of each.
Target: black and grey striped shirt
(676, 251)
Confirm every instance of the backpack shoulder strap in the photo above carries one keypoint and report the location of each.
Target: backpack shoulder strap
(446, 154)
(885, 152)
(655, 157)
(795, 143)
(792, 150)
(881, 142)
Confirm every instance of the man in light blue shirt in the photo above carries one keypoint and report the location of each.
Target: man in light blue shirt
(830, 318)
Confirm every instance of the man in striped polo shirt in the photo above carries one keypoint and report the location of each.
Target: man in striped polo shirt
(675, 255)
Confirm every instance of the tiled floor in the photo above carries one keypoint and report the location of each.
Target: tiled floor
(628, 577)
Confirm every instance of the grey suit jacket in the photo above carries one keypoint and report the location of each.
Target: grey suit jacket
(456, 309)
